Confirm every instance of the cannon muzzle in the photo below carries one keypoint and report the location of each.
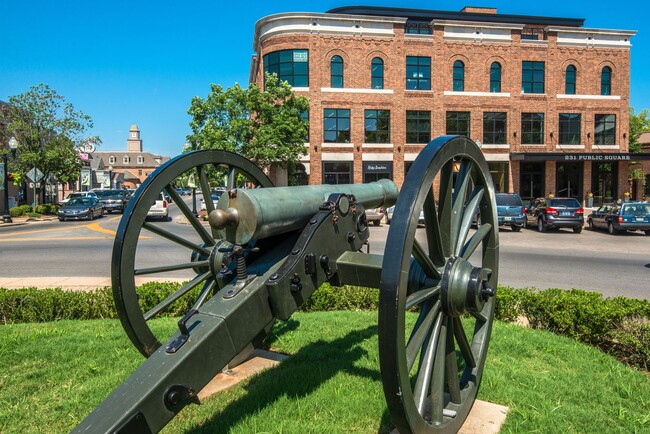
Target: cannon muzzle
(247, 214)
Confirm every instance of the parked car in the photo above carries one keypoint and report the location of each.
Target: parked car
(375, 216)
(112, 200)
(555, 212)
(510, 211)
(159, 208)
(215, 198)
(78, 194)
(79, 208)
(615, 217)
(391, 210)
(183, 191)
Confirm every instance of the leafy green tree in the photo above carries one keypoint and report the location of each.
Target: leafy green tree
(639, 124)
(48, 131)
(264, 126)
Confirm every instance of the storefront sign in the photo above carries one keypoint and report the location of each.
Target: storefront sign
(378, 167)
(578, 156)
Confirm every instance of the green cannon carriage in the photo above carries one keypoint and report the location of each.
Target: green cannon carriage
(267, 249)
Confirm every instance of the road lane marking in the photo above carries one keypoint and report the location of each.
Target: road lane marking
(94, 226)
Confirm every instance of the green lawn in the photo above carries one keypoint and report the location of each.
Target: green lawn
(53, 374)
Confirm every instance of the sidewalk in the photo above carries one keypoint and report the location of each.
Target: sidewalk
(69, 283)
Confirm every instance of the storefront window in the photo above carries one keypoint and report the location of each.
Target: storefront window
(531, 181)
(499, 172)
(568, 180)
(337, 172)
(603, 182)
(374, 171)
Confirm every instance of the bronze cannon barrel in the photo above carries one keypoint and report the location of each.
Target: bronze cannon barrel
(247, 214)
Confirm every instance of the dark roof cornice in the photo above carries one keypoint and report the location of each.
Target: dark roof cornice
(430, 15)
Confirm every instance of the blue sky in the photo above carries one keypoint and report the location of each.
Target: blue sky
(141, 62)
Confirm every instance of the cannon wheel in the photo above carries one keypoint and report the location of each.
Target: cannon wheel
(431, 370)
(200, 255)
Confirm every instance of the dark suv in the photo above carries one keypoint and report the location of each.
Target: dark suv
(112, 200)
(556, 212)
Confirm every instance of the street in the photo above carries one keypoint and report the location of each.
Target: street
(596, 261)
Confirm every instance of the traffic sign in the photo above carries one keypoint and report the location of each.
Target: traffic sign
(35, 174)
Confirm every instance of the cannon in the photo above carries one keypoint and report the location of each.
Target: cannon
(265, 250)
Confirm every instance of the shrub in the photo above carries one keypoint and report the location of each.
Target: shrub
(25, 208)
(16, 212)
(34, 215)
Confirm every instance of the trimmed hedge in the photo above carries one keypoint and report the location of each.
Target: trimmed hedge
(619, 326)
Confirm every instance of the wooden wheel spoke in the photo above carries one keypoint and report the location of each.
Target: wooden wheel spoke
(460, 192)
(166, 268)
(470, 247)
(445, 206)
(232, 177)
(208, 288)
(189, 215)
(424, 261)
(451, 365)
(432, 228)
(422, 329)
(468, 216)
(437, 386)
(175, 238)
(176, 295)
(426, 367)
(463, 343)
(421, 295)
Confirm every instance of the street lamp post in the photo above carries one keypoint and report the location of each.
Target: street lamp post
(110, 177)
(13, 144)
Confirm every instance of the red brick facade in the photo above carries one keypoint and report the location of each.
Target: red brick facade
(359, 39)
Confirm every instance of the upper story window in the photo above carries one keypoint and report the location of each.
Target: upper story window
(533, 34)
(290, 65)
(570, 128)
(570, 80)
(126, 159)
(532, 128)
(532, 77)
(111, 159)
(418, 73)
(336, 125)
(336, 72)
(606, 81)
(417, 27)
(459, 76)
(140, 159)
(377, 73)
(458, 123)
(495, 128)
(418, 126)
(605, 129)
(495, 77)
(377, 126)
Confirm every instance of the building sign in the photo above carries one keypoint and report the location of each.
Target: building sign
(300, 56)
(378, 167)
(579, 156)
(85, 177)
(2, 177)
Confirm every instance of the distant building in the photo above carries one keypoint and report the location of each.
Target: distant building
(128, 169)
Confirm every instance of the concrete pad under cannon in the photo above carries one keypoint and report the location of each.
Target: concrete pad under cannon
(259, 361)
(485, 417)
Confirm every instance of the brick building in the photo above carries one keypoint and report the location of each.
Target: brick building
(129, 169)
(546, 98)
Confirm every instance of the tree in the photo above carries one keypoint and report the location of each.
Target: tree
(48, 131)
(264, 126)
(639, 124)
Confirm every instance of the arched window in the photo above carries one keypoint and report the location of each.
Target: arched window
(495, 77)
(606, 81)
(459, 76)
(377, 73)
(336, 71)
(570, 80)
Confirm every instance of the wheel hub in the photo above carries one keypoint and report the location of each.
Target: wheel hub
(464, 288)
